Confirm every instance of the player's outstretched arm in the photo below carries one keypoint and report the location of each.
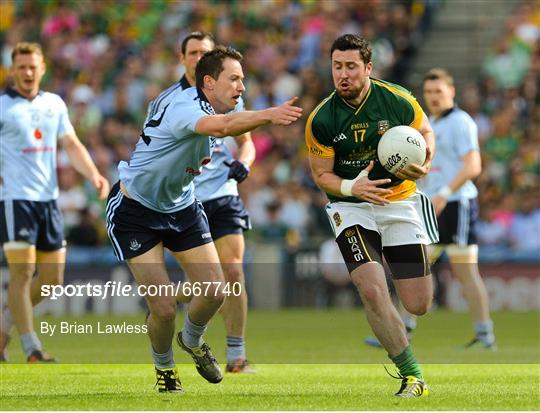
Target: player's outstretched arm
(82, 162)
(237, 123)
(413, 171)
(361, 187)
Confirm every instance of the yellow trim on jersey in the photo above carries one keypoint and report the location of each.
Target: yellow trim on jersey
(364, 101)
(401, 191)
(418, 112)
(316, 148)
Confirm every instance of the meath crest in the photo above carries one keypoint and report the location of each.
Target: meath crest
(383, 126)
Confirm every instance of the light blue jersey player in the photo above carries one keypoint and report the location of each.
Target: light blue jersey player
(454, 196)
(217, 188)
(153, 205)
(32, 123)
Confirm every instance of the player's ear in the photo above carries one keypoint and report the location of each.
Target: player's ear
(209, 82)
(369, 68)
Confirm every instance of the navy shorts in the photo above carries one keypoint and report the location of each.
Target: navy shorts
(135, 229)
(38, 223)
(227, 215)
(457, 222)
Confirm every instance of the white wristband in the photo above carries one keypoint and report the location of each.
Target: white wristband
(347, 184)
(445, 192)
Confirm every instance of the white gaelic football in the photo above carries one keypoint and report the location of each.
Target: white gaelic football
(399, 147)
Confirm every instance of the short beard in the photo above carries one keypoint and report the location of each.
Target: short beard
(350, 95)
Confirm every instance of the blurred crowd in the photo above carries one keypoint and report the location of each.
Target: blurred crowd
(109, 58)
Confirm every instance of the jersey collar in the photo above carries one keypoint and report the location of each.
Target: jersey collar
(12, 93)
(447, 112)
(184, 84)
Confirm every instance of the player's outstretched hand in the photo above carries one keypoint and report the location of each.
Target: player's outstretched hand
(238, 170)
(286, 113)
(369, 190)
(412, 172)
(102, 186)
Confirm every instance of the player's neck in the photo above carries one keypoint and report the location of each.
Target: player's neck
(442, 111)
(190, 80)
(28, 95)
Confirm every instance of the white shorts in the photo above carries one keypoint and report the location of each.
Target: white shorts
(410, 221)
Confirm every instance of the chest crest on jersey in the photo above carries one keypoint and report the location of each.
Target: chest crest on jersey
(383, 126)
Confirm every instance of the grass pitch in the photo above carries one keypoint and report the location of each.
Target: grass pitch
(305, 359)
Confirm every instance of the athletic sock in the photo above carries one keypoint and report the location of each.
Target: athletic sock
(192, 334)
(235, 348)
(163, 360)
(484, 331)
(407, 364)
(30, 343)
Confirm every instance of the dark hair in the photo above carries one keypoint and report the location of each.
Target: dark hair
(353, 42)
(212, 63)
(197, 36)
(26, 48)
(439, 74)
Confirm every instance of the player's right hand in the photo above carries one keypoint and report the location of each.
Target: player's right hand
(369, 190)
(286, 113)
(102, 185)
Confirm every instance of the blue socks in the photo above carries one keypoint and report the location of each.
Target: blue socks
(30, 343)
(235, 349)
(192, 334)
(163, 360)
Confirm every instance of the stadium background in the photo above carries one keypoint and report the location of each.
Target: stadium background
(108, 59)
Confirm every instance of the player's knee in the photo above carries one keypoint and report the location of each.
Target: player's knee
(164, 311)
(233, 273)
(374, 295)
(418, 307)
(21, 272)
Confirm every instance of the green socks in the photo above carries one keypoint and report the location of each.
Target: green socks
(407, 363)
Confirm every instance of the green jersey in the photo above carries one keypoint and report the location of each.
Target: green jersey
(350, 135)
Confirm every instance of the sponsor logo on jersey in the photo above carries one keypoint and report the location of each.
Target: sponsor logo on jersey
(337, 219)
(340, 137)
(383, 126)
(134, 245)
(37, 134)
(206, 235)
(356, 126)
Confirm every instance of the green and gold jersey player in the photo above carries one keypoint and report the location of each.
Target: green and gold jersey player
(337, 129)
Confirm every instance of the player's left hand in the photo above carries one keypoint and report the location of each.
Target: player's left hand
(439, 203)
(239, 170)
(102, 185)
(412, 172)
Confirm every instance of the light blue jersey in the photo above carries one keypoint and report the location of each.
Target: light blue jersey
(29, 133)
(169, 153)
(213, 182)
(456, 135)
